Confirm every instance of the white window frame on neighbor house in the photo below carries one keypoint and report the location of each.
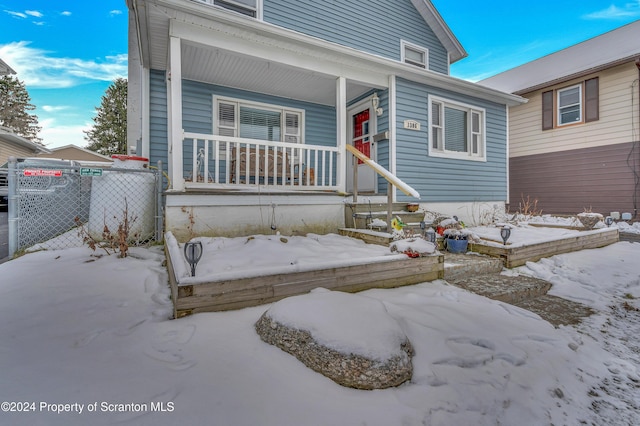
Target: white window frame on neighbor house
(287, 133)
(475, 135)
(562, 108)
(405, 45)
(251, 8)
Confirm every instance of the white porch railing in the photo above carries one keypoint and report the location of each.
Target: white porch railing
(223, 162)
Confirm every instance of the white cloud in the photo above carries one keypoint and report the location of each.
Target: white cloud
(41, 69)
(54, 108)
(54, 135)
(65, 13)
(629, 10)
(115, 12)
(34, 13)
(16, 14)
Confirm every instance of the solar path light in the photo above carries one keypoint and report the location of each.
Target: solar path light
(505, 233)
(193, 253)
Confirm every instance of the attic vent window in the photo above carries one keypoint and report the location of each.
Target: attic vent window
(414, 55)
(245, 7)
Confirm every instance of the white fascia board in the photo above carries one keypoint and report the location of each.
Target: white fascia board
(440, 28)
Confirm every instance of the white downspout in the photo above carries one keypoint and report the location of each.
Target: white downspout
(392, 129)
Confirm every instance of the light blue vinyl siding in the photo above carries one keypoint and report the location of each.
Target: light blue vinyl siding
(158, 118)
(374, 26)
(197, 115)
(441, 179)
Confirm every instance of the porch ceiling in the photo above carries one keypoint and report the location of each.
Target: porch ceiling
(211, 64)
(225, 68)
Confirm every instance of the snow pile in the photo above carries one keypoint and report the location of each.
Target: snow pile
(629, 229)
(347, 323)
(348, 338)
(413, 246)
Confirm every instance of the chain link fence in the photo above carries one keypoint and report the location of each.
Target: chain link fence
(58, 204)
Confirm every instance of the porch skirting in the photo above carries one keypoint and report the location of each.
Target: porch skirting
(188, 215)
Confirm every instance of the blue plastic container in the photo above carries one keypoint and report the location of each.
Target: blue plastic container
(455, 246)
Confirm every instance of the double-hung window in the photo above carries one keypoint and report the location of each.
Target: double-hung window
(456, 130)
(574, 104)
(258, 121)
(569, 105)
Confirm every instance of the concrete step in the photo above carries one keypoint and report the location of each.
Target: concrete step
(459, 266)
(509, 289)
(556, 310)
(481, 275)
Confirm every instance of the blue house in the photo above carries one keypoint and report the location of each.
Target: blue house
(250, 105)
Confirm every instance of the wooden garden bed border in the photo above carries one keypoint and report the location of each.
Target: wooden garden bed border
(245, 292)
(520, 255)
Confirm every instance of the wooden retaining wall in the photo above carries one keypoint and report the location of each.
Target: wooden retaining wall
(518, 256)
(245, 292)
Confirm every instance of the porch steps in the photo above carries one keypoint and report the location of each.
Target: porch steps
(481, 274)
(360, 215)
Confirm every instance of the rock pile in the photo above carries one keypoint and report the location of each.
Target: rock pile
(347, 369)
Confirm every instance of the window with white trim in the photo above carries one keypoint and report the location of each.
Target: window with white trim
(258, 121)
(575, 104)
(251, 8)
(456, 130)
(414, 54)
(570, 105)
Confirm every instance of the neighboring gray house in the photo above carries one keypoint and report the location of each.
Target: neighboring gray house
(250, 104)
(5, 69)
(576, 144)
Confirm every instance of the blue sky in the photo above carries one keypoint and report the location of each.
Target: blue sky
(68, 52)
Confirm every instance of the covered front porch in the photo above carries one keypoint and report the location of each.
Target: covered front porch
(250, 113)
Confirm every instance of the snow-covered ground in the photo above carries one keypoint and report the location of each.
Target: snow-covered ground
(88, 332)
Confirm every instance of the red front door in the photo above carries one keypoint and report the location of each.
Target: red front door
(361, 139)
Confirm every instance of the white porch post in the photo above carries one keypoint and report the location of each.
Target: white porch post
(341, 133)
(392, 131)
(174, 110)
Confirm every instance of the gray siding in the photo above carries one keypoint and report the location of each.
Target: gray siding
(567, 182)
(441, 179)
(374, 26)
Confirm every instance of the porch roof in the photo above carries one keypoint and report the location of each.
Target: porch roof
(262, 57)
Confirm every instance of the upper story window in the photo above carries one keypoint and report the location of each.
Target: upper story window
(251, 8)
(258, 121)
(456, 130)
(414, 54)
(571, 105)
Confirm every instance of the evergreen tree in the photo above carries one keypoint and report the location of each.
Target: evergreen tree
(109, 132)
(15, 105)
